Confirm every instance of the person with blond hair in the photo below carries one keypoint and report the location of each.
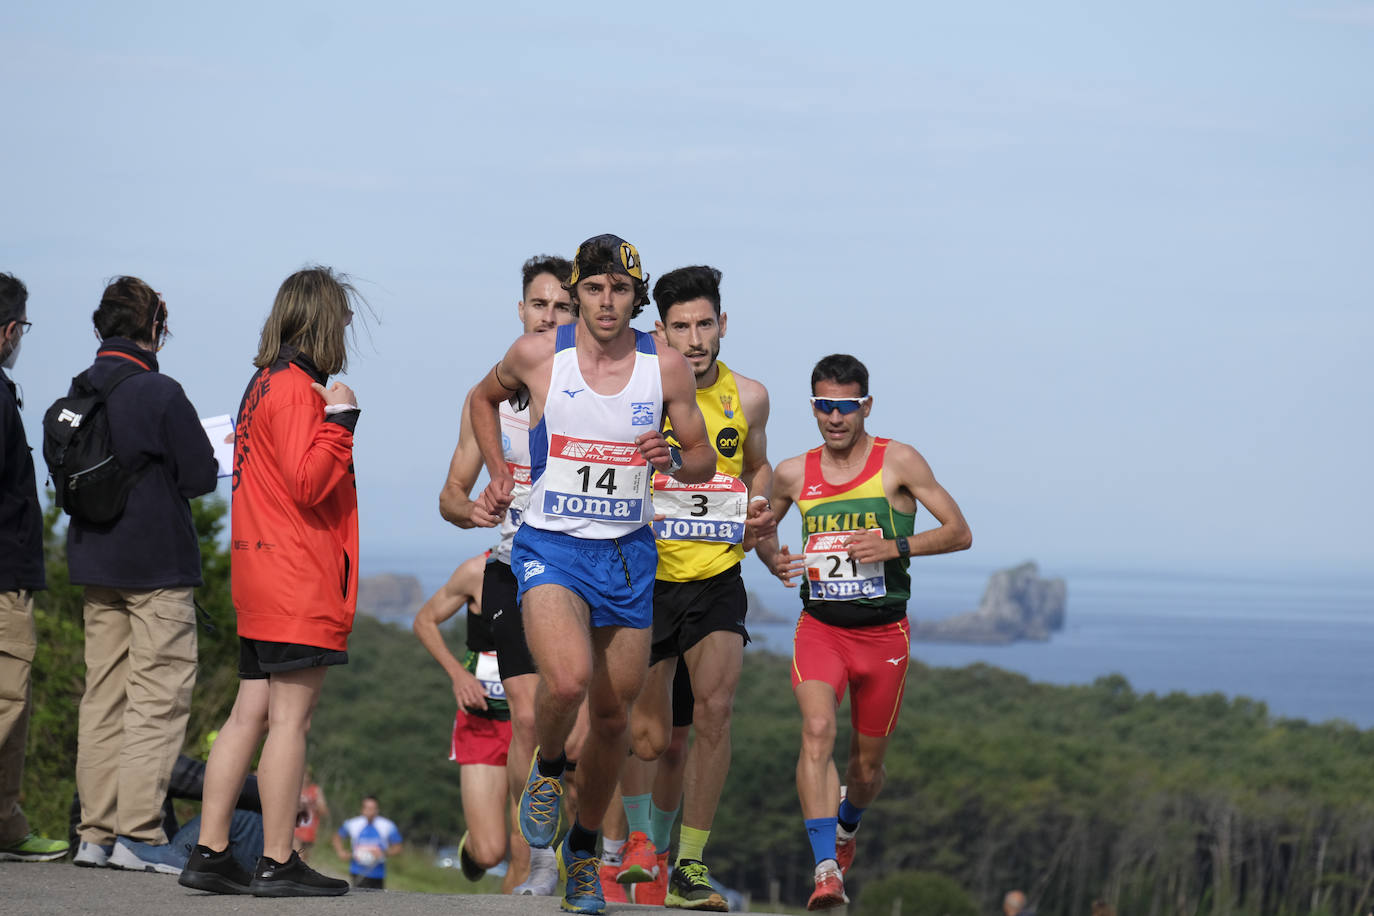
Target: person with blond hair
(139, 571)
(294, 546)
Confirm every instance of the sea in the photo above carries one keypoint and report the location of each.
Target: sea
(1303, 645)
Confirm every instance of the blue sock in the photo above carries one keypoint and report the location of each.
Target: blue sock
(821, 831)
(637, 812)
(849, 815)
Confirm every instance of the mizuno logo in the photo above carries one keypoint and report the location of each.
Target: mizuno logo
(813, 489)
(894, 662)
(572, 394)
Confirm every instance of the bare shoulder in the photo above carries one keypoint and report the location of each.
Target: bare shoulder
(532, 348)
(676, 372)
(909, 464)
(467, 578)
(753, 398)
(787, 476)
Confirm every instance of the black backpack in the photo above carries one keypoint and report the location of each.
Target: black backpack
(92, 486)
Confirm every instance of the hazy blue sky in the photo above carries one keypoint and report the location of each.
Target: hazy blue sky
(1104, 261)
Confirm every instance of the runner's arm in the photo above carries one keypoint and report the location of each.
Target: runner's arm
(455, 500)
(913, 474)
(442, 605)
(757, 473)
(505, 378)
(779, 560)
(689, 427)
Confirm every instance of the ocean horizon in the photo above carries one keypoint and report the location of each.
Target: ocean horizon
(1302, 644)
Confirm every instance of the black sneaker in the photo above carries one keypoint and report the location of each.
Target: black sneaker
(216, 872)
(293, 878)
(689, 888)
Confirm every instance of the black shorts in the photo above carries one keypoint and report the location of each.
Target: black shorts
(684, 704)
(500, 607)
(259, 658)
(687, 612)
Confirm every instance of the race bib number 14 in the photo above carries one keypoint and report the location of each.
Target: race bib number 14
(586, 478)
(833, 575)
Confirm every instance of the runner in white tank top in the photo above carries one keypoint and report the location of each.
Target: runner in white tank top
(544, 305)
(586, 580)
(588, 476)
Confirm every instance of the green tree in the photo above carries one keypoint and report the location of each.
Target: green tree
(59, 671)
(915, 893)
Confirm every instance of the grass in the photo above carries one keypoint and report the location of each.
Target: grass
(412, 870)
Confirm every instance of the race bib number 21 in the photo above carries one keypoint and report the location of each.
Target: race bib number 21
(833, 575)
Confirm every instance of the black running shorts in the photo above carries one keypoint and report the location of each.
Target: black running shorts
(687, 612)
(501, 608)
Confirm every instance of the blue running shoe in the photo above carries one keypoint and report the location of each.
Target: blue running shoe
(582, 882)
(541, 807)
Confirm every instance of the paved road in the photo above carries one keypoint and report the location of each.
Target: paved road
(60, 889)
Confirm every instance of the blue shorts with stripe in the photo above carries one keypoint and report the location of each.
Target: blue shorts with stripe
(615, 576)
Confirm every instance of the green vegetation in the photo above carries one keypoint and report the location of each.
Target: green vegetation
(916, 893)
(59, 670)
(1156, 804)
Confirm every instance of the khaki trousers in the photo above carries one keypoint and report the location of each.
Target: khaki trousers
(140, 669)
(17, 645)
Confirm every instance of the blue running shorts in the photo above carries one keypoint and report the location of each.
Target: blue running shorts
(614, 576)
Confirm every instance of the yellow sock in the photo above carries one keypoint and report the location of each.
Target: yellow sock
(691, 842)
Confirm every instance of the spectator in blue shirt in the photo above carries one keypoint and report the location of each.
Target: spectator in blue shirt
(372, 838)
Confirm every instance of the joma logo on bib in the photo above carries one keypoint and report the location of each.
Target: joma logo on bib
(678, 529)
(567, 504)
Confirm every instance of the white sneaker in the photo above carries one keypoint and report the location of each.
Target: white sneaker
(92, 855)
(543, 879)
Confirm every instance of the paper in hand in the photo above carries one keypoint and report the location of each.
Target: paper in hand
(220, 431)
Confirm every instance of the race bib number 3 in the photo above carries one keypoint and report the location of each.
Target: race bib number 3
(710, 511)
(586, 478)
(833, 575)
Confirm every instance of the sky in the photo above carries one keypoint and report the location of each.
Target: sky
(1108, 264)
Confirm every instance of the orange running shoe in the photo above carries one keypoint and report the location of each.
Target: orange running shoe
(637, 860)
(829, 891)
(612, 891)
(653, 893)
(844, 853)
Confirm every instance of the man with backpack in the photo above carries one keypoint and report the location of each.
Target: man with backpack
(139, 569)
(21, 574)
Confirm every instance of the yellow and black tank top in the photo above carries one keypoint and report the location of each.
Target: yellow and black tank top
(703, 527)
(837, 589)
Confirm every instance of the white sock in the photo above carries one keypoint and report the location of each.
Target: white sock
(610, 851)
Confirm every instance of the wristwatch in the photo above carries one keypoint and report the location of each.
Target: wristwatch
(903, 548)
(674, 459)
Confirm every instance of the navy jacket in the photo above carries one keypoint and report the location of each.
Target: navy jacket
(21, 520)
(153, 428)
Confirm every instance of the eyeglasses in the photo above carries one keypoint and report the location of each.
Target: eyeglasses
(845, 406)
(24, 327)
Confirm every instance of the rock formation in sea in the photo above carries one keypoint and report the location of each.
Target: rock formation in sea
(1017, 605)
(390, 597)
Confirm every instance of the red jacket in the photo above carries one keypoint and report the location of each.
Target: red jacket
(295, 511)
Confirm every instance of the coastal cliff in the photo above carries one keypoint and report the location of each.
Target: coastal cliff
(1017, 605)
